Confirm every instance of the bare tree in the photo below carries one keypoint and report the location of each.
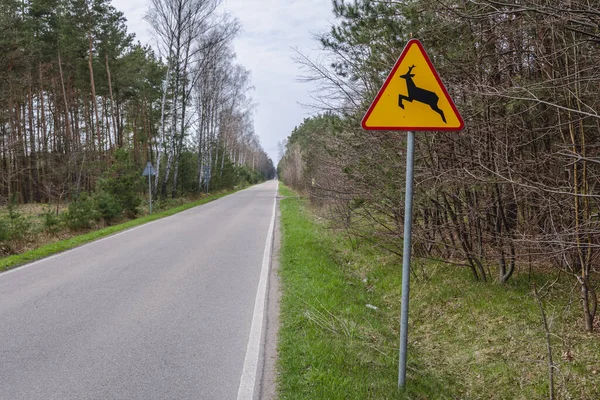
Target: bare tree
(178, 25)
(518, 186)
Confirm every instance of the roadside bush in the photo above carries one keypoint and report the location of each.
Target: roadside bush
(188, 178)
(80, 213)
(227, 178)
(107, 206)
(4, 236)
(52, 222)
(248, 176)
(124, 182)
(19, 226)
(14, 230)
(168, 203)
(4, 229)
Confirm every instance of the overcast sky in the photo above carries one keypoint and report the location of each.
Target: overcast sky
(270, 31)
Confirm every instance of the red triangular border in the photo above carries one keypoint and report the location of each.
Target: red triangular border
(388, 80)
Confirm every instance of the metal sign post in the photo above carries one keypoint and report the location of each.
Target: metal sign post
(149, 171)
(408, 200)
(413, 98)
(150, 193)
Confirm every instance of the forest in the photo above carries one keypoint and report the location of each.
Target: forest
(84, 107)
(515, 192)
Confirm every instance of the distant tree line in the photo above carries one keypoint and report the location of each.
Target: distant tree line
(518, 187)
(75, 88)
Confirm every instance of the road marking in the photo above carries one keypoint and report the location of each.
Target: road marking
(248, 379)
(109, 237)
(31, 264)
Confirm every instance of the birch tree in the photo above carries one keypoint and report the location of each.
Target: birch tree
(177, 25)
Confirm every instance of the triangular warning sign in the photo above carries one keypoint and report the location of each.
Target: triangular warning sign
(413, 97)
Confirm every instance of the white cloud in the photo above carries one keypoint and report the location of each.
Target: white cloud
(270, 31)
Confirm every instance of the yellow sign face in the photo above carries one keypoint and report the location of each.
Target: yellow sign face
(413, 98)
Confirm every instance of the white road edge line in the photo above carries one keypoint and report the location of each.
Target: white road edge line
(109, 237)
(248, 379)
(77, 248)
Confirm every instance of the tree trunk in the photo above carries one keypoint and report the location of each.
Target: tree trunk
(161, 136)
(66, 105)
(33, 167)
(117, 133)
(94, 101)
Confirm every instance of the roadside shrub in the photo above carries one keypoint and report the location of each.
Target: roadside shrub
(167, 203)
(124, 182)
(248, 176)
(52, 222)
(4, 236)
(80, 213)
(107, 206)
(4, 229)
(19, 226)
(227, 178)
(14, 230)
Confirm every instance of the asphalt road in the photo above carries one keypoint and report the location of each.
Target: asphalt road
(162, 311)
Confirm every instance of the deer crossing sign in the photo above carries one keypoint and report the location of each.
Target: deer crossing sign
(413, 97)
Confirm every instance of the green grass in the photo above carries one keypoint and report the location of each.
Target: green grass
(467, 340)
(43, 251)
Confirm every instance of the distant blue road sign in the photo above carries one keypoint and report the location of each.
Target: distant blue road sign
(149, 170)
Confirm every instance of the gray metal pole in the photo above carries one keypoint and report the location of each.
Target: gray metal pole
(150, 191)
(410, 150)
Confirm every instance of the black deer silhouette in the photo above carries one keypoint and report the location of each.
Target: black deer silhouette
(421, 95)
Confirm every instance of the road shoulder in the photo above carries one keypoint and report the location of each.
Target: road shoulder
(268, 381)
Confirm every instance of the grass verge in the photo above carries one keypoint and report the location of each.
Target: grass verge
(16, 260)
(339, 330)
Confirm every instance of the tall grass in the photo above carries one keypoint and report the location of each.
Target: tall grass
(339, 331)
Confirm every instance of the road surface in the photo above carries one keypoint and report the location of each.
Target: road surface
(162, 311)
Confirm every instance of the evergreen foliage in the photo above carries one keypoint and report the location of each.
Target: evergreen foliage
(51, 221)
(122, 183)
(108, 206)
(15, 229)
(81, 213)
(76, 90)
